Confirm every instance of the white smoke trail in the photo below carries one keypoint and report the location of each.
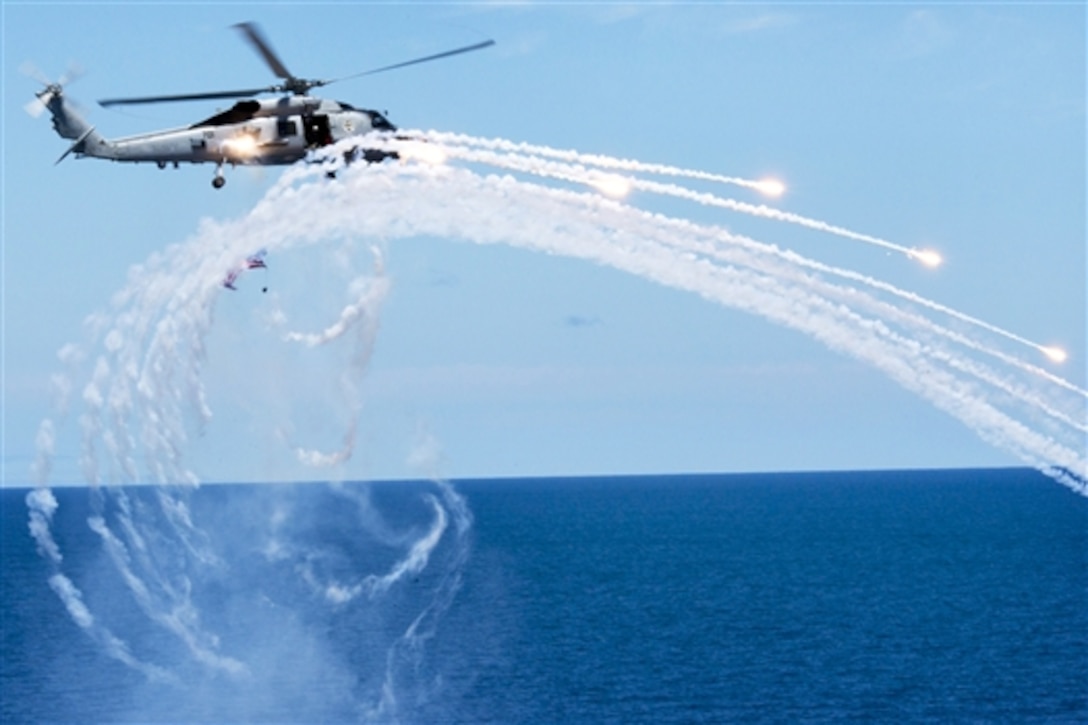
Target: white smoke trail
(174, 611)
(362, 317)
(406, 654)
(327, 459)
(42, 505)
(140, 406)
(369, 293)
(772, 263)
(640, 243)
(413, 563)
(145, 381)
(579, 174)
(116, 648)
(598, 160)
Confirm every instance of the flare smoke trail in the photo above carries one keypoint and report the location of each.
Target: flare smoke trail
(1043, 424)
(514, 149)
(143, 402)
(577, 172)
(145, 398)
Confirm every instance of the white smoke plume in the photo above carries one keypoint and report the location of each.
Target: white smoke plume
(406, 654)
(116, 648)
(414, 562)
(42, 505)
(359, 319)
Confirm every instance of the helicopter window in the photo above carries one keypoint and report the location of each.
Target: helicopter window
(239, 112)
(286, 127)
(380, 123)
(346, 106)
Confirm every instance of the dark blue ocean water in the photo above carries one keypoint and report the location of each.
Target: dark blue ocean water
(940, 596)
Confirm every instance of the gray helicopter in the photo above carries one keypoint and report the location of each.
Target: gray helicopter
(266, 132)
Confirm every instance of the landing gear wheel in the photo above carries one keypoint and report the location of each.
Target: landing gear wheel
(218, 182)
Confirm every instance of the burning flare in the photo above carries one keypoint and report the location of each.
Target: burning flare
(770, 187)
(927, 257)
(1056, 354)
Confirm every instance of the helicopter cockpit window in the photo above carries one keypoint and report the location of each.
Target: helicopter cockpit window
(286, 127)
(238, 113)
(380, 123)
(346, 106)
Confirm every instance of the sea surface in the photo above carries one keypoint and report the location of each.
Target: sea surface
(934, 596)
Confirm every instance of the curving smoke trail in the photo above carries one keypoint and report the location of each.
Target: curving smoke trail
(145, 401)
(620, 185)
(1043, 424)
(359, 318)
(579, 174)
(570, 156)
(141, 408)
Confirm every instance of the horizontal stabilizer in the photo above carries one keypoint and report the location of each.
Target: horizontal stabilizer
(76, 143)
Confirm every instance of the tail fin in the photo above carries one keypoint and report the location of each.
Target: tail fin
(67, 121)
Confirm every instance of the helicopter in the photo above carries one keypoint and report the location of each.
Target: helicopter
(268, 132)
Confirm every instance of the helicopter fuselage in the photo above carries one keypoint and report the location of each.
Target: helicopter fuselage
(265, 132)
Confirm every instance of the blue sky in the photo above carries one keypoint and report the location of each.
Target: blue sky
(954, 126)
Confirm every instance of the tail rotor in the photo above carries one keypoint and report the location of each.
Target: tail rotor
(51, 90)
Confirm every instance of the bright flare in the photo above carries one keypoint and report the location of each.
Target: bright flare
(771, 187)
(927, 257)
(1056, 354)
(241, 147)
(611, 185)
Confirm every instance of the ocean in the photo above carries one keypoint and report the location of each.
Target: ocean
(905, 596)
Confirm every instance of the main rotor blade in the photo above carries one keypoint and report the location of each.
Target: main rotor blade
(447, 54)
(258, 41)
(107, 102)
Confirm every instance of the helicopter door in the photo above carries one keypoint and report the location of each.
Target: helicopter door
(317, 130)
